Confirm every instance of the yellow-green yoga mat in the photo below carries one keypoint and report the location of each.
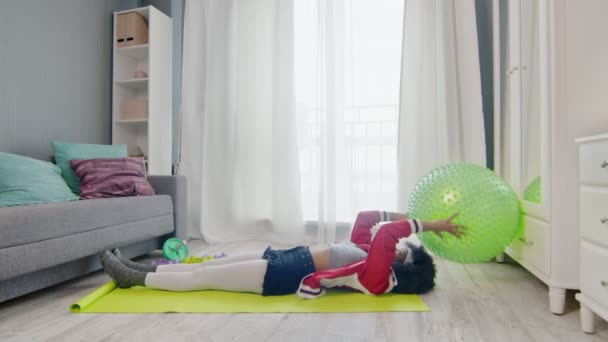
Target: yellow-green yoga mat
(110, 299)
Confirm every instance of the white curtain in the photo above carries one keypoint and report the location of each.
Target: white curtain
(347, 65)
(238, 147)
(441, 117)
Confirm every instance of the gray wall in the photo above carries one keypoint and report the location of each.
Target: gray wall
(55, 73)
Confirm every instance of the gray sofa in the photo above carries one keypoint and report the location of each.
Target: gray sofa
(42, 245)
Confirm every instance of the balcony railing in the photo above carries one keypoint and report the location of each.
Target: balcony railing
(366, 159)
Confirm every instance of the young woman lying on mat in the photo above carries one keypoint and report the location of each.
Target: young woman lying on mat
(372, 264)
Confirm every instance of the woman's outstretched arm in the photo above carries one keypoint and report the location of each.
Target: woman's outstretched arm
(392, 216)
(362, 234)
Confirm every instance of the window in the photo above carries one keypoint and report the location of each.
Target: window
(347, 71)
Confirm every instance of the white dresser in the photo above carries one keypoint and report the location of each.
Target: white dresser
(593, 220)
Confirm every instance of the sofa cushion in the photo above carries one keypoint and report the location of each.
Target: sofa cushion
(29, 181)
(28, 224)
(65, 151)
(112, 177)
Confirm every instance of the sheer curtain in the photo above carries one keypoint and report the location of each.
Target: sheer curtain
(290, 115)
(238, 122)
(441, 116)
(347, 62)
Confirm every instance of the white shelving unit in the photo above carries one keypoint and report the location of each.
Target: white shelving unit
(142, 106)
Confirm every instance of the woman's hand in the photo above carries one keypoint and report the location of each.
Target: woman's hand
(439, 226)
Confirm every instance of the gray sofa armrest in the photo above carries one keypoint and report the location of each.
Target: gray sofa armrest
(176, 187)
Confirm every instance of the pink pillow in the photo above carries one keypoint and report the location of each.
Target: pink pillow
(111, 177)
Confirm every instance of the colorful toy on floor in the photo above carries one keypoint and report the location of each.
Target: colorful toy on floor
(163, 261)
(188, 260)
(487, 206)
(175, 249)
(196, 260)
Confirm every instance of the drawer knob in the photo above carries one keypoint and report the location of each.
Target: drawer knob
(527, 242)
(604, 283)
(604, 164)
(604, 219)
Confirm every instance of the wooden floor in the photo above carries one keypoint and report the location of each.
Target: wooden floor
(481, 302)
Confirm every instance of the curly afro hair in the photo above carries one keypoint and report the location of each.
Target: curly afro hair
(417, 276)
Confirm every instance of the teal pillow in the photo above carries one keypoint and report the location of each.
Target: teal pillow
(29, 181)
(65, 151)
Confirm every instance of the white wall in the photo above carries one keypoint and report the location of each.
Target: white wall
(586, 42)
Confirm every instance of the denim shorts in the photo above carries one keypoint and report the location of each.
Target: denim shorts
(286, 268)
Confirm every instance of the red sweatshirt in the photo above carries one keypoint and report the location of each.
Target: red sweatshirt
(372, 275)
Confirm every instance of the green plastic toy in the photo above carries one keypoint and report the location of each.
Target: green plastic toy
(488, 208)
(533, 191)
(175, 248)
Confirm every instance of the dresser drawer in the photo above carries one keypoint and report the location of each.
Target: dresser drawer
(594, 214)
(532, 248)
(594, 273)
(594, 162)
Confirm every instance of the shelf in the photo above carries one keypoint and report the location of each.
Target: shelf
(132, 122)
(144, 11)
(137, 83)
(137, 51)
(142, 108)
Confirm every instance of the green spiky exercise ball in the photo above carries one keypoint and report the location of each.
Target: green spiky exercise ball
(533, 191)
(488, 208)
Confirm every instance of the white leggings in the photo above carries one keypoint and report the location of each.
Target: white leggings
(241, 273)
